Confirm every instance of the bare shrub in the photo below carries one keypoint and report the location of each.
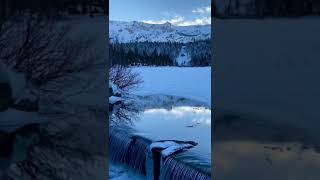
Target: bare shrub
(124, 113)
(43, 51)
(124, 78)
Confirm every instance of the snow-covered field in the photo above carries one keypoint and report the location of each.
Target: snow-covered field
(188, 82)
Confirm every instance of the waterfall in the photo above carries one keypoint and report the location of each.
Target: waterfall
(137, 154)
(134, 151)
(118, 146)
(129, 150)
(173, 169)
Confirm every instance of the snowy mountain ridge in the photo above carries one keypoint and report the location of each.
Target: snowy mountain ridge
(127, 32)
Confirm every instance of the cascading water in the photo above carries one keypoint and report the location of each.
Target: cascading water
(159, 155)
(118, 144)
(134, 151)
(137, 154)
(173, 169)
(128, 149)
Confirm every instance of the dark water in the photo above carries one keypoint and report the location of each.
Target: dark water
(247, 147)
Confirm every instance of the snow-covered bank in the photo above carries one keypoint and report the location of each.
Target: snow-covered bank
(189, 82)
(12, 119)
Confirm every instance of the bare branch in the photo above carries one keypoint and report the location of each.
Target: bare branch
(124, 78)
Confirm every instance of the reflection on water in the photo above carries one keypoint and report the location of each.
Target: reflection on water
(163, 117)
(247, 147)
(183, 123)
(124, 113)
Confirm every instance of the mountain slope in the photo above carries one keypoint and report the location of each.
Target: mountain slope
(126, 32)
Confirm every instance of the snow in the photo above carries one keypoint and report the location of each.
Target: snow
(115, 99)
(169, 147)
(165, 101)
(115, 88)
(17, 82)
(141, 32)
(188, 82)
(172, 149)
(163, 145)
(12, 119)
(183, 58)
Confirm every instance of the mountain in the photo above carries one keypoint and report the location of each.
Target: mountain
(126, 32)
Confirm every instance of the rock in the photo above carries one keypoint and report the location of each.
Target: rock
(110, 92)
(6, 144)
(5, 96)
(27, 105)
(28, 129)
(7, 140)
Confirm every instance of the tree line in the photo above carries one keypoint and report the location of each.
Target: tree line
(159, 53)
(53, 8)
(267, 8)
(201, 52)
(120, 55)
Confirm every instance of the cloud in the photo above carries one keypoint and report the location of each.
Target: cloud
(205, 18)
(202, 10)
(198, 21)
(175, 20)
(181, 21)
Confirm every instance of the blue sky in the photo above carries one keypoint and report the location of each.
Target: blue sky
(177, 12)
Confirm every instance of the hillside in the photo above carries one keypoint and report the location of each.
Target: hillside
(126, 32)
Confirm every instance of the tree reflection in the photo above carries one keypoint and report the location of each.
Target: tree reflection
(124, 112)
